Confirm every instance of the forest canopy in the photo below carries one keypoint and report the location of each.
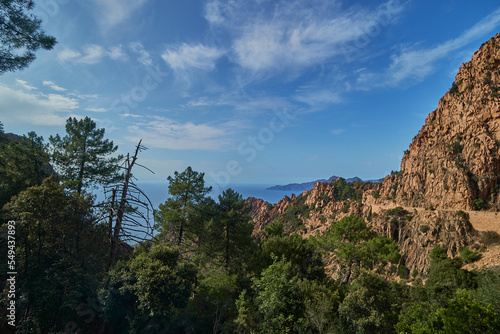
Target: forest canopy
(207, 270)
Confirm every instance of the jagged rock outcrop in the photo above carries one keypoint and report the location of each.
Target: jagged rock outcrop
(452, 164)
(454, 161)
(417, 232)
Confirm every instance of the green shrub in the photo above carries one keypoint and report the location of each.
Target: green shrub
(454, 89)
(469, 256)
(403, 272)
(424, 228)
(462, 214)
(397, 211)
(414, 273)
(479, 204)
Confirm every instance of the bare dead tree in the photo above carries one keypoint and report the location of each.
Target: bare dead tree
(129, 209)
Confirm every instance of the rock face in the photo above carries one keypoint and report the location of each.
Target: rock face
(453, 162)
(415, 232)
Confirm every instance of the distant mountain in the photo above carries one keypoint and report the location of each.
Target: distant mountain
(309, 185)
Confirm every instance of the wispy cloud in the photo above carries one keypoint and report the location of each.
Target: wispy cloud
(109, 13)
(25, 84)
(416, 64)
(316, 96)
(91, 54)
(143, 56)
(167, 133)
(291, 33)
(34, 107)
(97, 109)
(52, 85)
(117, 53)
(186, 57)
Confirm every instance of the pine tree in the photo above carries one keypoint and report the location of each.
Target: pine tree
(82, 156)
(178, 216)
(21, 31)
(234, 227)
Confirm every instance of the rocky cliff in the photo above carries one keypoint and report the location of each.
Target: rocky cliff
(451, 166)
(454, 161)
(415, 231)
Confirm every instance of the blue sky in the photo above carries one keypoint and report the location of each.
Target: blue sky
(249, 90)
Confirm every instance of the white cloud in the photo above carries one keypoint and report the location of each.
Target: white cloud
(67, 54)
(315, 96)
(91, 54)
(416, 64)
(274, 36)
(109, 13)
(24, 84)
(97, 109)
(166, 133)
(131, 115)
(144, 56)
(186, 57)
(337, 131)
(35, 108)
(52, 85)
(117, 53)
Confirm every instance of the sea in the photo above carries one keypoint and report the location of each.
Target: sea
(158, 192)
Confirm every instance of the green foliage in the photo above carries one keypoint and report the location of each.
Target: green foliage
(60, 253)
(403, 272)
(479, 204)
(462, 314)
(213, 308)
(344, 190)
(424, 228)
(82, 156)
(279, 298)
(369, 306)
(397, 212)
(454, 89)
(445, 277)
(20, 32)
(231, 231)
(358, 247)
(274, 229)
(396, 173)
(149, 289)
(488, 281)
(301, 253)
(494, 91)
(248, 319)
(456, 147)
(321, 305)
(182, 217)
(469, 256)
(462, 214)
(292, 216)
(23, 163)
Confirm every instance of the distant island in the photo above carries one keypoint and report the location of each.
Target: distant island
(308, 185)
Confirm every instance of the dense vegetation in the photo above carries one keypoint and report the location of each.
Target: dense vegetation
(205, 272)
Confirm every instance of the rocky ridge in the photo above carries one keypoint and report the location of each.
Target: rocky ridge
(453, 164)
(454, 161)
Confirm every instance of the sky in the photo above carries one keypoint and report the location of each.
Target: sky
(248, 91)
